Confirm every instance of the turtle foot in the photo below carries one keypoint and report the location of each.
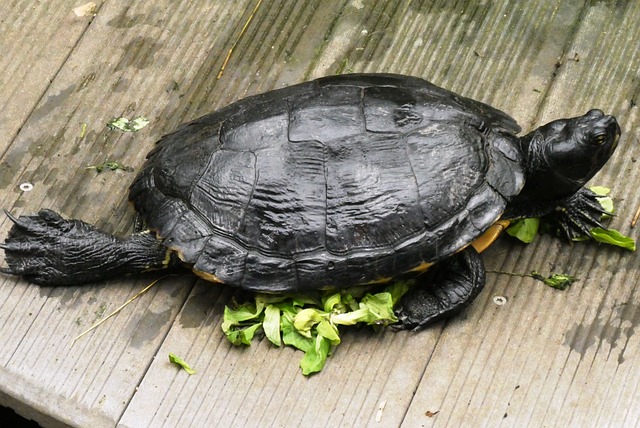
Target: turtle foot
(445, 290)
(41, 247)
(47, 249)
(578, 215)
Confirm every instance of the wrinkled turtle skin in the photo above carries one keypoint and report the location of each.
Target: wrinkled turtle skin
(335, 182)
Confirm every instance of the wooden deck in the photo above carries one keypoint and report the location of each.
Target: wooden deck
(545, 358)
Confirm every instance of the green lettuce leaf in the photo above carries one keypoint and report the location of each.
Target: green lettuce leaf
(613, 237)
(244, 335)
(352, 317)
(291, 336)
(173, 358)
(305, 320)
(271, 324)
(380, 307)
(246, 311)
(332, 301)
(329, 331)
(605, 201)
(524, 229)
(397, 289)
(315, 357)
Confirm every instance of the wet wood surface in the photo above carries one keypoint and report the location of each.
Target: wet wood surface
(544, 358)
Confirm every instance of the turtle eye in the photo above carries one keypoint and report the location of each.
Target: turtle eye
(600, 139)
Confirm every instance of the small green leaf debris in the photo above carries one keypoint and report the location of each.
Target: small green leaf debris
(126, 125)
(110, 165)
(559, 281)
(173, 358)
(526, 229)
(310, 323)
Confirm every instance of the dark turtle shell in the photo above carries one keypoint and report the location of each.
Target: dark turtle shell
(330, 183)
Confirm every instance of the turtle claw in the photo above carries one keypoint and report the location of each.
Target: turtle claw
(7, 271)
(22, 247)
(17, 223)
(25, 258)
(579, 214)
(37, 225)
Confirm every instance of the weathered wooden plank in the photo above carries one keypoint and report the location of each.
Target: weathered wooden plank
(550, 358)
(130, 61)
(36, 40)
(535, 359)
(262, 385)
(375, 37)
(597, 358)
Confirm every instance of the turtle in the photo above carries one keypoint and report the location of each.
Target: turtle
(340, 181)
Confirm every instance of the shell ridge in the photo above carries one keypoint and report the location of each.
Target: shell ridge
(415, 179)
(256, 175)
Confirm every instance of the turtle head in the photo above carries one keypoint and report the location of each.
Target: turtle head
(564, 154)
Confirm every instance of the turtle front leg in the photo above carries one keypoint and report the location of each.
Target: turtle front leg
(578, 214)
(47, 249)
(443, 291)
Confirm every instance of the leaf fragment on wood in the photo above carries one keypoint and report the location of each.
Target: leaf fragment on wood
(173, 358)
(126, 125)
(86, 9)
(636, 216)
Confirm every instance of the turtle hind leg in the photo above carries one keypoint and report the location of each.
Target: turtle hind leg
(47, 249)
(443, 291)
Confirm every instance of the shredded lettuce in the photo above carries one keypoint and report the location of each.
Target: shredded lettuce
(310, 324)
